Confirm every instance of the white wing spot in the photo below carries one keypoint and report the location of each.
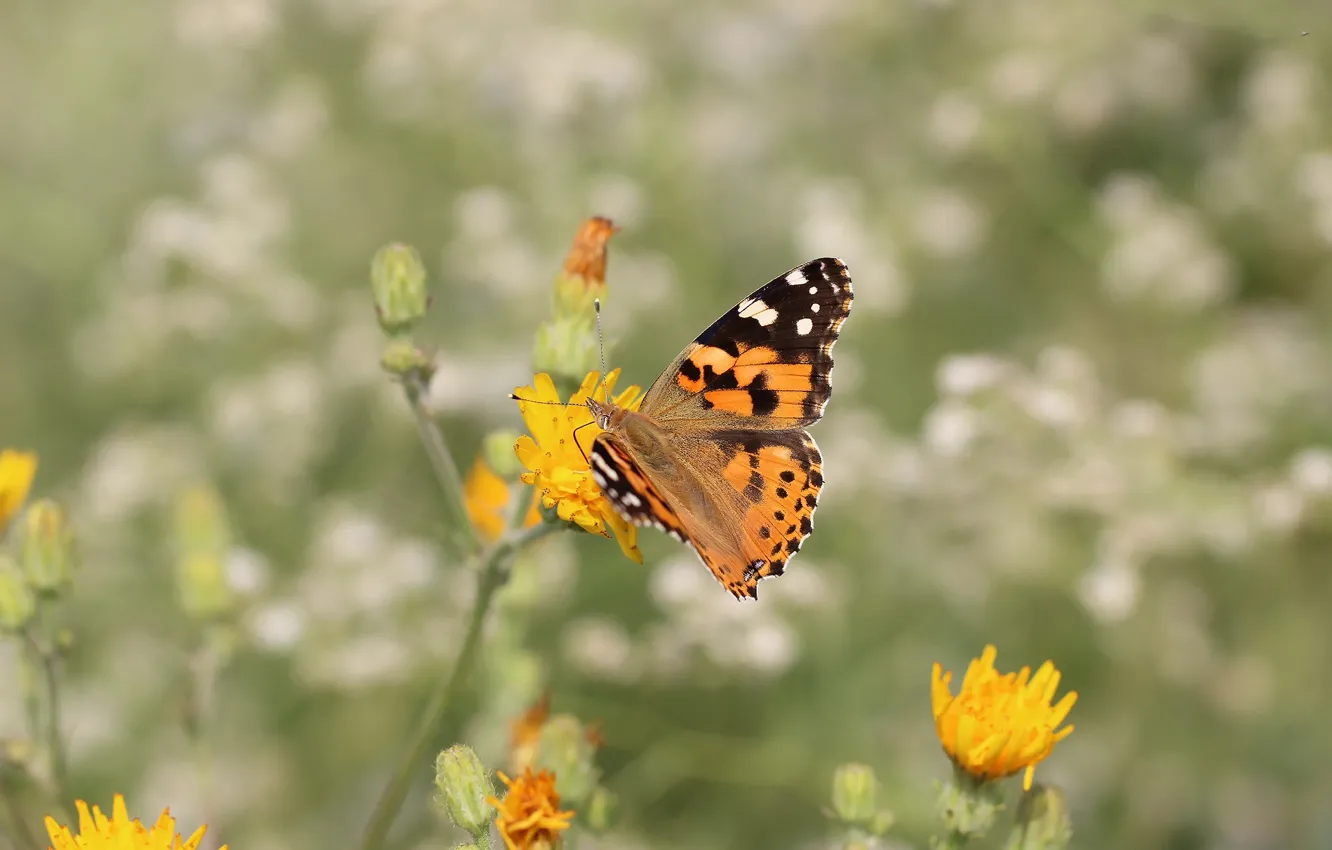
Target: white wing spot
(632, 500)
(814, 308)
(796, 278)
(813, 290)
(754, 308)
(804, 326)
(605, 468)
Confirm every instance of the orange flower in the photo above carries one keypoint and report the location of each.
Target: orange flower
(586, 260)
(525, 738)
(486, 496)
(999, 724)
(529, 815)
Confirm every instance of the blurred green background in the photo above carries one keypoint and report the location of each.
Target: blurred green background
(1083, 406)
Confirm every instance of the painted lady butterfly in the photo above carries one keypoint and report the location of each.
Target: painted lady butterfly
(717, 455)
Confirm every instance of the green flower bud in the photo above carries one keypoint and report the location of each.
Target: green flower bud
(18, 603)
(567, 751)
(48, 547)
(203, 538)
(854, 790)
(600, 810)
(497, 449)
(403, 360)
(567, 348)
(969, 806)
(463, 786)
(1042, 821)
(398, 280)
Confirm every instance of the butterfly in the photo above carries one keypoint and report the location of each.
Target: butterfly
(717, 455)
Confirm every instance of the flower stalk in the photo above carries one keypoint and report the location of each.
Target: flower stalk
(492, 573)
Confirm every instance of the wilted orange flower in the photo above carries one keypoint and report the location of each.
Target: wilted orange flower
(586, 260)
(525, 734)
(16, 473)
(556, 458)
(486, 497)
(98, 832)
(999, 724)
(529, 815)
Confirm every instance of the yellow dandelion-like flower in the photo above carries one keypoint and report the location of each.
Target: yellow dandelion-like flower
(486, 497)
(529, 815)
(557, 459)
(999, 724)
(98, 832)
(17, 470)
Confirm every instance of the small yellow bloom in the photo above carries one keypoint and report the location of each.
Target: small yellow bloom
(557, 459)
(486, 496)
(16, 473)
(999, 724)
(97, 832)
(529, 815)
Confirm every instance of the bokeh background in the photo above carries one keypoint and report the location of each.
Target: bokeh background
(1083, 405)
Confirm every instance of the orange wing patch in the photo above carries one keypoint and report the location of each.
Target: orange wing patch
(780, 477)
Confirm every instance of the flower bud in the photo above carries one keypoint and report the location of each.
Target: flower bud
(18, 604)
(583, 278)
(401, 359)
(398, 280)
(969, 806)
(1042, 821)
(567, 348)
(854, 790)
(48, 547)
(17, 470)
(567, 751)
(497, 449)
(463, 787)
(600, 809)
(203, 539)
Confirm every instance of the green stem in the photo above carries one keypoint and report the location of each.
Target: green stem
(205, 667)
(493, 574)
(23, 834)
(446, 470)
(44, 709)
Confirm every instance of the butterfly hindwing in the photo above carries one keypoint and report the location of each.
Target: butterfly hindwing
(767, 362)
(779, 476)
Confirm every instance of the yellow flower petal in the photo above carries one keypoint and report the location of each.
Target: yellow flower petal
(17, 469)
(120, 832)
(999, 725)
(555, 455)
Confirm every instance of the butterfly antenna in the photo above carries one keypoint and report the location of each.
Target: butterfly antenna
(601, 346)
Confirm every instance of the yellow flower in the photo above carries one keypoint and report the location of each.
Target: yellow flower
(557, 460)
(529, 815)
(16, 473)
(97, 832)
(999, 724)
(486, 496)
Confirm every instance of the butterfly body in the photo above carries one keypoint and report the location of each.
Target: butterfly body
(717, 454)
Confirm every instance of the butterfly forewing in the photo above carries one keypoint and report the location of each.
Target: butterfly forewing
(767, 363)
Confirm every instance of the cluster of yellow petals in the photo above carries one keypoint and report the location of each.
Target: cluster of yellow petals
(486, 497)
(999, 724)
(529, 815)
(118, 832)
(556, 460)
(17, 470)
